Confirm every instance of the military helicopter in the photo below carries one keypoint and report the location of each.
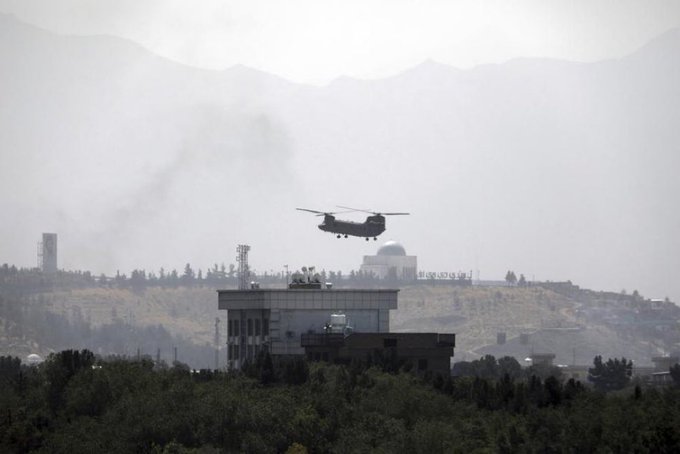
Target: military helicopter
(372, 227)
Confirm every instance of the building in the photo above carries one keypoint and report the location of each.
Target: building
(274, 319)
(422, 352)
(664, 363)
(47, 253)
(542, 359)
(391, 261)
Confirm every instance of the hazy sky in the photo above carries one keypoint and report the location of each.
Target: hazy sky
(316, 41)
(565, 171)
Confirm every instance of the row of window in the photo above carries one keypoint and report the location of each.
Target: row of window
(254, 327)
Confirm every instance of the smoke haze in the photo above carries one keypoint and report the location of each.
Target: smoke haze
(554, 169)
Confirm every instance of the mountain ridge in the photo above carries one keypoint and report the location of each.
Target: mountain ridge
(670, 37)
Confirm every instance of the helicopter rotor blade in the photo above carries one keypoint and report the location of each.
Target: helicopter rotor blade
(311, 211)
(377, 213)
(322, 213)
(356, 209)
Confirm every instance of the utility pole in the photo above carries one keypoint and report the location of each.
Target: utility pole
(217, 343)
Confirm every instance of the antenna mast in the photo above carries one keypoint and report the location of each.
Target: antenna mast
(242, 259)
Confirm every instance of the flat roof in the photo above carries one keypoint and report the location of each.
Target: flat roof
(286, 298)
(311, 290)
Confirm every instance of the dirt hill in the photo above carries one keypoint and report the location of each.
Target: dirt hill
(574, 324)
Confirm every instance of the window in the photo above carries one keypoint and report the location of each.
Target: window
(237, 351)
(230, 329)
(265, 327)
(250, 352)
(257, 326)
(387, 343)
(250, 327)
(422, 364)
(237, 327)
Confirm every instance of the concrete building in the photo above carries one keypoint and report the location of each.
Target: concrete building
(391, 261)
(274, 319)
(423, 352)
(47, 253)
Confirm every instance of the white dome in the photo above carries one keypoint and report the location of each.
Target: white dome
(392, 247)
(34, 359)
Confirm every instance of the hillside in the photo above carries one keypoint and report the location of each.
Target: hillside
(576, 325)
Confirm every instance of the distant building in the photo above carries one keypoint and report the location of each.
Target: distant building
(274, 319)
(391, 261)
(423, 352)
(664, 363)
(47, 253)
(545, 359)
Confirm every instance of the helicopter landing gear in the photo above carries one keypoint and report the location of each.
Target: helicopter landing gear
(366, 238)
(338, 236)
(375, 238)
(345, 235)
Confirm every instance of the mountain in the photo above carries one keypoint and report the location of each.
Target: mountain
(554, 169)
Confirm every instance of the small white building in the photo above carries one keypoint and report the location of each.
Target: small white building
(391, 261)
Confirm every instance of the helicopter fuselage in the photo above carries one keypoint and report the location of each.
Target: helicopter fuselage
(371, 227)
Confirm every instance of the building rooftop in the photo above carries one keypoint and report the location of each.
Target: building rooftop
(308, 298)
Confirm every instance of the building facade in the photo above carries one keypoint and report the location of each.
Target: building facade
(391, 261)
(421, 352)
(274, 319)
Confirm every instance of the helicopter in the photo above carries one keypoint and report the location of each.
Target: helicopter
(373, 226)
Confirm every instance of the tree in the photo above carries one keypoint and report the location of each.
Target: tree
(59, 369)
(522, 281)
(675, 374)
(188, 276)
(510, 277)
(173, 278)
(138, 279)
(610, 376)
(510, 366)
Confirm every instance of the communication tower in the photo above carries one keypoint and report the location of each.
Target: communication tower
(243, 269)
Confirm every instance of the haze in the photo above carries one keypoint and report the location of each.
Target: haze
(559, 167)
(314, 41)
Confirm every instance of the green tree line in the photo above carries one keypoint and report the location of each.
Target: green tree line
(75, 402)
